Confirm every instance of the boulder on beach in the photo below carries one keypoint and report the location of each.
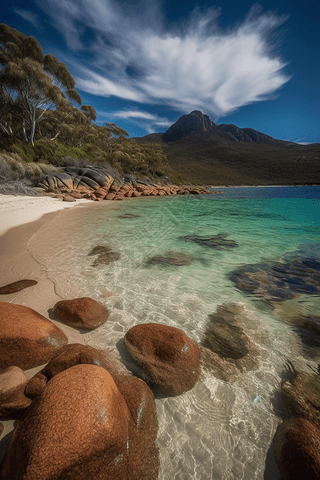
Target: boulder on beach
(17, 286)
(297, 450)
(84, 312)
(67, 357)
(86, 424)
(27, 339)
(13, 401)
(83, 180)
(169, 357)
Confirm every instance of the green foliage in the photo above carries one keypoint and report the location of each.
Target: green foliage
(14, 168)
(31, 84)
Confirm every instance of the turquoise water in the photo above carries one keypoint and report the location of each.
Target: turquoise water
(220, 429)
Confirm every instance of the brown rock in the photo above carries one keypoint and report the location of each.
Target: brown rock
(101, 192)
(17, 286)
(84, 189)
(143, 451)
(68, 198)
(128, 194)
(167, 354)
(119, 197)
(75, 194)
(27, 339)
(80, 427)
(13, 402)
(81, 312)
(110, 196)
(114, 188)
(67, 357)
(301, 396)
(135, 193)
(297, 450)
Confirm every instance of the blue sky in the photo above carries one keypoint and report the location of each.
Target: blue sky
(143, 64)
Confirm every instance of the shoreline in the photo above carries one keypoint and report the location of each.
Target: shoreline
(17, 263)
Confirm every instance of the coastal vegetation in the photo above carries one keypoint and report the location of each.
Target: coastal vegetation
(43, 120)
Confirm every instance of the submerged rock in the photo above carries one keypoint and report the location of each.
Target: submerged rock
(105, 255)
(308, 329)
(17, 286)
(128, 215)
(275, 282)
(301, 396)
(231, 336)
(99, 249)
(106, 258)
(217, 242)
(166, 354)
(171, 258)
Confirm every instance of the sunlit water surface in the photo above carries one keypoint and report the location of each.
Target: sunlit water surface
(218, 430)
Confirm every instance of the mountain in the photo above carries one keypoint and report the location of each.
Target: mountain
(195, 122)
(205, 153)
(198, 123)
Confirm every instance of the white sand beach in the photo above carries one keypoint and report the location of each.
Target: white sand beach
(20, 218)
(17, 210)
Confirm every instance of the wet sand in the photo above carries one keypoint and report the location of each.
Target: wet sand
(17, 263)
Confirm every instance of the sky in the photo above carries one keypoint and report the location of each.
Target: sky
(143, 64)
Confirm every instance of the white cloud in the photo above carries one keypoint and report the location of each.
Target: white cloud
(194, 66)
(145, 120)
(28, 16)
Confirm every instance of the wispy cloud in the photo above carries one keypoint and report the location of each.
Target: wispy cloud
(28, 16)
(146, 120)
(134, 56)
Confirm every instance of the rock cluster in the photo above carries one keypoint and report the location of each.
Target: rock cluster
(97, 183)
(279, 281)
(84, 415)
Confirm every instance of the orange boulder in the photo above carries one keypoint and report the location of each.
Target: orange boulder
(81, 312)
(27, 339)
(86, 424)
(167, 354)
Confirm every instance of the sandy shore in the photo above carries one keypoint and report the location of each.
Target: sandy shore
(20, 218)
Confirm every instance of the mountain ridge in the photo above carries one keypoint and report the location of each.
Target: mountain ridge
(205, 153)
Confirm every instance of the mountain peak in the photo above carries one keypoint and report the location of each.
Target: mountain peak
(194, 122)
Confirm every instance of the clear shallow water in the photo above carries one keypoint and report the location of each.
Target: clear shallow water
(218, 430)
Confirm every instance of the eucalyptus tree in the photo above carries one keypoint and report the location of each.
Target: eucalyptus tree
(31, 83)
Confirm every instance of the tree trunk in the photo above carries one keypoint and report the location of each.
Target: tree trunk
(32, 125)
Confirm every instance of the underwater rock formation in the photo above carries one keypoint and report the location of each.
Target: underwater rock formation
(218, 242)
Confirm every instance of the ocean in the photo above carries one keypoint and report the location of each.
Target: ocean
(251, 254)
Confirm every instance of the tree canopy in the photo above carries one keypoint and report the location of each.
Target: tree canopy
(38, 95)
